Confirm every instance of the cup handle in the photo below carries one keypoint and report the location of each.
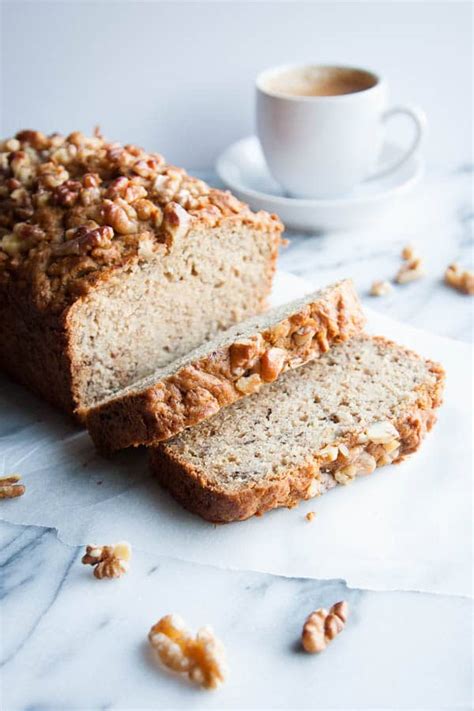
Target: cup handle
(418, 117)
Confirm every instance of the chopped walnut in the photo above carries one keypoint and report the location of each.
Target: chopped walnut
(176, 221)
(244, 354)
(381, 432)
(329, 453)
(201, 657)
(408, 252)
(410, 270)
(321, 627)
(460, 279)
(109, 561)
(10, 488)
(303, 335)
(313, 489)
(249, 385)
(381, 288)
(271, 364)
(84, 240)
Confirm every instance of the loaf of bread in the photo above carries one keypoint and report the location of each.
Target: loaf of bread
(113, 263)
(365, 403)
(232, 365)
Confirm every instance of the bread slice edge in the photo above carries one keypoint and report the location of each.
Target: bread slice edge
(196, 493)
(208, 379)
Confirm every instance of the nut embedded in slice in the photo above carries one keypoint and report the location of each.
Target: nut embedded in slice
(10, 488)
(109, 561)
(382, 432)
(249, 385)
(271, 364)
(322, 626)
(201, 657)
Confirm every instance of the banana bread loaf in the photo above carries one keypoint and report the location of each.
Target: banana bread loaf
(231, 366)
(365, 403)
(114, 263)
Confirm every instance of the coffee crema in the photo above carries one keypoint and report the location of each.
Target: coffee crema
(319, 81)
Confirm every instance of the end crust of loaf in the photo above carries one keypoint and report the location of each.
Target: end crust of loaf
(190, 486)
(151, 411)
(96, 240)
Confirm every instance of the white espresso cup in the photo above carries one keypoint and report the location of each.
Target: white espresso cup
(322, 127)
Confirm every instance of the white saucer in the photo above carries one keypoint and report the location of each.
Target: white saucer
(242, 168)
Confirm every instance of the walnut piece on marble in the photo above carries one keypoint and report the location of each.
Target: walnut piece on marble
(201, 657)
(321, 627)
(10, 488)
(460, 279)
(410, 270)
(108, 561)
(381, 288)
(408, 252)
(412, 267)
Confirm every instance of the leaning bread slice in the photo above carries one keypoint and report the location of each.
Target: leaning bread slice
(235, 364)
(365, 403)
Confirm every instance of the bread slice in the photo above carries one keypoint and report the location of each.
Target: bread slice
(365, 403)
(235, 364)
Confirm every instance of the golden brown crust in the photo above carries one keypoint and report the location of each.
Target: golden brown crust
(74, 210)
(191, 488)
(201, 388)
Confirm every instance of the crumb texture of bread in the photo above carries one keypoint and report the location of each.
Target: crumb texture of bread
(229, 367)
(113, 263)
(365, 403)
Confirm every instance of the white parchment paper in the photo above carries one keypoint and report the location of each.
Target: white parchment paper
(406, 527)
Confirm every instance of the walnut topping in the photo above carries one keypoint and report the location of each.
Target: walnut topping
(84, 241)
(56, 183)
(109, 561)
(201, 657)
(381, 288)
(271, 364)
(176, 221)
(10, 488)
(22, 239)
(321, 627)
(119, 215)
(460, 279)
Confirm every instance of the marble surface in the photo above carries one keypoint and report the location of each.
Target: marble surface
(72, 642)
